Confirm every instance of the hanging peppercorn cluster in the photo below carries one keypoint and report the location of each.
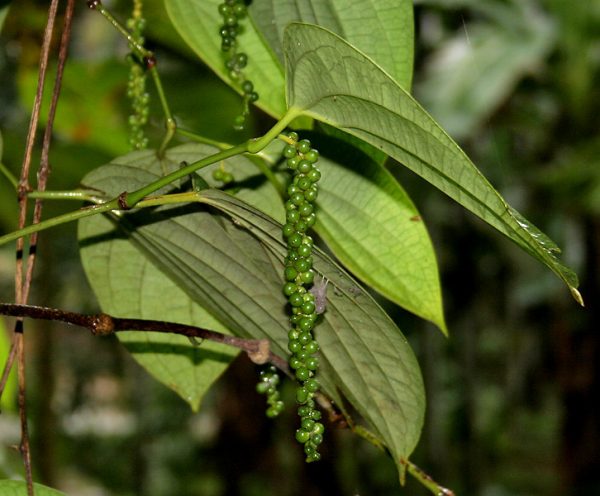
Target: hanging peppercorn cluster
(136, 85)
(269, 379)
(232, 11)
(299, 276)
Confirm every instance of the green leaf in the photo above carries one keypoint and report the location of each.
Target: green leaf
(372, 226)
(233, 269)
(382, 29)
(127, 284)
(366, 356)
(19, 488)
(330, 80)
(198, 22)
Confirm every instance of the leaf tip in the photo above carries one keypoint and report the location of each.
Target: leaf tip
(577, 295)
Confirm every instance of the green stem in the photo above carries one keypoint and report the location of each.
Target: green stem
(134, 197)
(259, 161)
(139, 50)
(61, 219)
(149, 60)
(171, 124)
(256, 145)
(188, 197)
(201, 139)
(81, 195)
(9, 175)
(426, 480)
(161, 94)
(127, 200)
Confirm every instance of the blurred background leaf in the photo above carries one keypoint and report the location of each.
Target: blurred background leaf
(506, 42)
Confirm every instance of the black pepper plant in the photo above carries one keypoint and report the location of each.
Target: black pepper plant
(169, 237)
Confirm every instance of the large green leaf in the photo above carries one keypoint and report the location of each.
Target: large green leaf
(19, 488)
(233, 269)
(330, 80)
(368, 359)
(373, 227)
(369, 223)
(198, 22)
(127, 284)
(382, 29)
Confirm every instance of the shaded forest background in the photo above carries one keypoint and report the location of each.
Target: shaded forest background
(512, 395)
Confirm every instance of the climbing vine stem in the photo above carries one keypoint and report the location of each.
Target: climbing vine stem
(128, 200)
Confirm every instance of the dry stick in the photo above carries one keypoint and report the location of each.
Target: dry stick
(102, 324)
(44, 170)
(22, 286)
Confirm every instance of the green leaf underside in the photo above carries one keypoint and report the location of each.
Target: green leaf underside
(370, 360)
(372, 226)
(331, 81)
(19, 488)
(128, 284)
(198, 22)
(369, 223)
(382, 29)
(233, 269)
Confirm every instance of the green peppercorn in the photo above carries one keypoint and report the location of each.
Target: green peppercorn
(304, 166)
(289, 151)
(312, 156)
(304, 146)
(302, 436)
(295, 240)
(290, 288)
(314, 175)
(290, 273)
(293, 216)
(296, 299)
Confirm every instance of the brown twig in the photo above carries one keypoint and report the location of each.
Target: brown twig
(103, 325)
(44, 169)
(22, 285)
(257, 350)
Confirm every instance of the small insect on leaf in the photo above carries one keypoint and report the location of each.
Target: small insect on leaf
(319, 291)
